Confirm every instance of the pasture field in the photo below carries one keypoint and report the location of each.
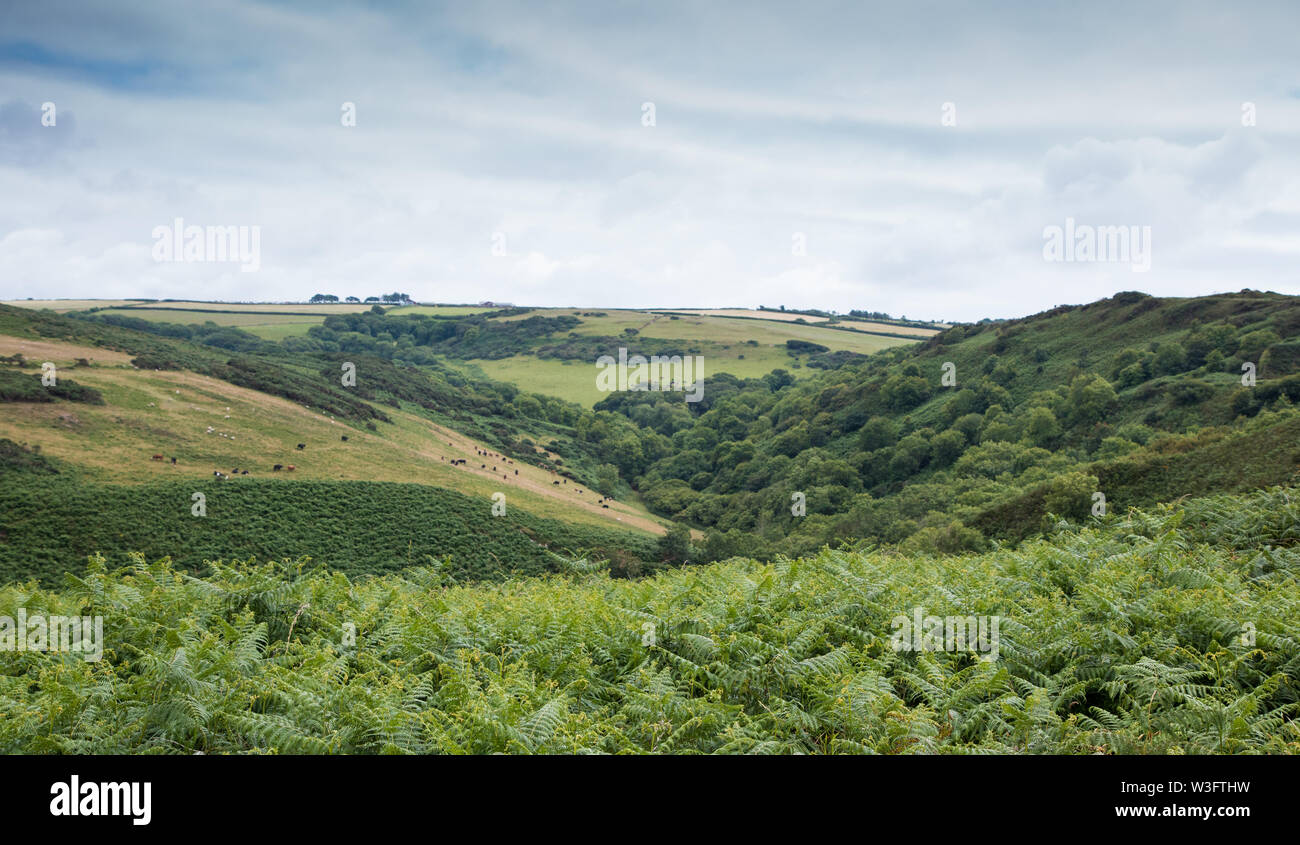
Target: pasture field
(62, 305)
(168, 412)
(269, 325)
(269, 322)
(724, 330)
(324, 309)
(575, 381)
(790, 317)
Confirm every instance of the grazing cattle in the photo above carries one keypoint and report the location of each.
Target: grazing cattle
(302, 445)
(157, 457)
(173, 460)
(516, 472)
(276, 468)
(345, 438)
(482, 466)
(555, 482)
(290, 468)
(606, 507)
(245, 472)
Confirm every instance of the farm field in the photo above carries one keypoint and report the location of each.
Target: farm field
(725, 330)
(575, 381)
(789, 317)
(270, 325)
(721, 341)
(270, 322)
(717, 329)
(62, 305)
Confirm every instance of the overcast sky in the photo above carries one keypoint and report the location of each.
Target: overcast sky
(524, 125)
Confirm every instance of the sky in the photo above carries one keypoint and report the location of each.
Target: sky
(913, 158)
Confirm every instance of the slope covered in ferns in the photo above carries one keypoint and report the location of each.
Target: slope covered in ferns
(1167, 631)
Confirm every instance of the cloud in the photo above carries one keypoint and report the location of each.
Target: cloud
(502, 118)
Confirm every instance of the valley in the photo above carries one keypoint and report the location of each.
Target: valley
(1111, 484)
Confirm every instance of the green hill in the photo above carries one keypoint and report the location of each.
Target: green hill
(981, 432)
(1135, 398)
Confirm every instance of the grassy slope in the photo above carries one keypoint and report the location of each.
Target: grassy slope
(1165, 633)
(114, 442)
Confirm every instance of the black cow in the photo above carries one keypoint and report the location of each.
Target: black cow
(276, 468)
(302, 445)
(345, 438)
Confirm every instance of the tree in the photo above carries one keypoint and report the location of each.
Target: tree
(904, 392)
(1041, 428)
(947, 447)
(1091, 398)
(675, 547)
(878, 433)
(778, 379)
(1070, 495)
(1170, 359)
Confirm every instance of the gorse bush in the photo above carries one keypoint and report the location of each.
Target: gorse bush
(1168, 631)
